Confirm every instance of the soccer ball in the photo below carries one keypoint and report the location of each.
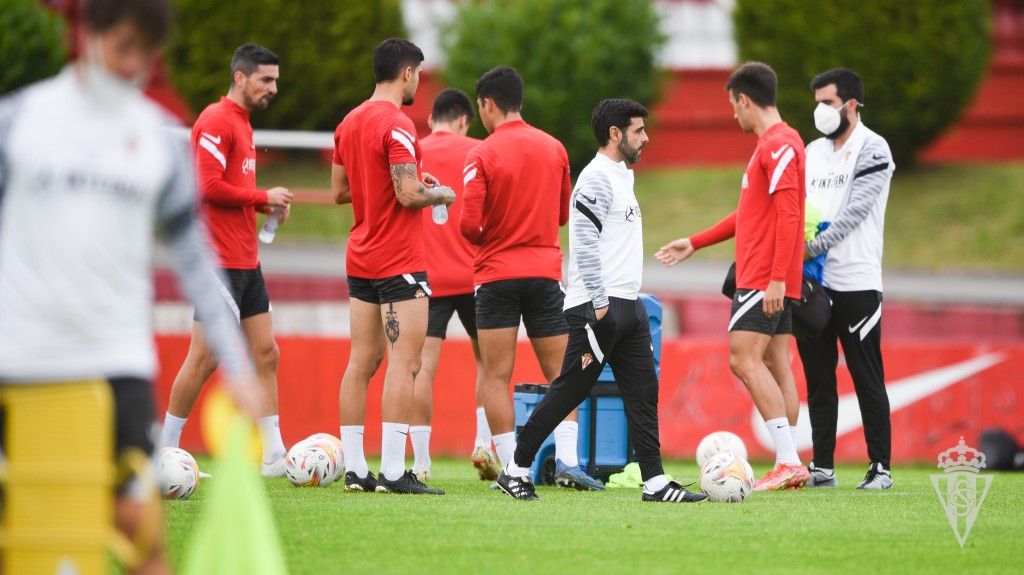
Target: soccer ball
(177, 472)
(309, 465)
(333, 448)
(719, 442)
(727, 477)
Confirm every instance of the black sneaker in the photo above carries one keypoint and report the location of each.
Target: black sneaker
(516, 487)
(407, 483)
(877, 478)
(674, 493)
(354, 483)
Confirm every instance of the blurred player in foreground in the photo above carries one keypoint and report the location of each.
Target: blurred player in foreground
(88, 169)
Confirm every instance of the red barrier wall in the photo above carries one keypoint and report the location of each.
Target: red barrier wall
(698, 395)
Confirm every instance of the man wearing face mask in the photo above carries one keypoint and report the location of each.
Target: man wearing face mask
(848, 176)
(226, 161)
(88, 167)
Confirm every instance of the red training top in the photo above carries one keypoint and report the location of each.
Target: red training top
(516, 196)
(449, 256)
(769, 222)
(226, 167)
(386, 237)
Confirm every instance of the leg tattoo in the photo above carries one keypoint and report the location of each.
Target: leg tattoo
(391, 324)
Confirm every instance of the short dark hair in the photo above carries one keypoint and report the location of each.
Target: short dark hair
(151, 17)
(755, 79)
(392, 56)
(616, 112)
(503, 85)
(249, 57)
(450, 105)
(848, 84)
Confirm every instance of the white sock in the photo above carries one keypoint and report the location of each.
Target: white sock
(792, 433)
(785, 453)
(483, 431)
(392, 450)
(270, 432)
(655, 484)
(505, 446)
(513, 470)
(170, 435)
(420, 436)
(352, 447)
(566, 434)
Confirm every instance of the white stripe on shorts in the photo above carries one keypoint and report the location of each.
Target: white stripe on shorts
(751, 301)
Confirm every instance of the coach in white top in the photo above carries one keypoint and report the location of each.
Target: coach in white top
(607, 321)
(848, 175)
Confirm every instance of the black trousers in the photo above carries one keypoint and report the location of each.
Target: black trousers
(857, 324)
(623, 338)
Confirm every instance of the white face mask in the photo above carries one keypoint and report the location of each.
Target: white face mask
(826, 118)
(108, 88)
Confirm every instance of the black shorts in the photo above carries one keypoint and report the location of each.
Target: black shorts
(748, 314)
(389, 290)
(538, 301)
(248, 292)
(134, 414)
(441, 310)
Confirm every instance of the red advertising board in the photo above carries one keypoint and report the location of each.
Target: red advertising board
(938, 392)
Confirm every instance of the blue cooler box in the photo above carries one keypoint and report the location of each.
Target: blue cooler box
(603, 440)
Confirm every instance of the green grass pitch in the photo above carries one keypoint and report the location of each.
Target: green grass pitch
(474, 530)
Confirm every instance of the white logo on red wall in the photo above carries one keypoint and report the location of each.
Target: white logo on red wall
(902, 393)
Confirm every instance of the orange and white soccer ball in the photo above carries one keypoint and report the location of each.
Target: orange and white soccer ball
(333, 446)
(720, 442)
(177, 473)
(310, 465)
(727, 477)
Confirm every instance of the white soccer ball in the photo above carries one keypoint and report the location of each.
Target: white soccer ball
(333, 446)
(720, 442)
(309, 465)
(727, 477)
(177, 472)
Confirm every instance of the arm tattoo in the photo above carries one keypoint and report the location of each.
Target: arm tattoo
(421, 197)
(391, 327)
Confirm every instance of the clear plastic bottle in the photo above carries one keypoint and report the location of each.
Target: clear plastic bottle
(269, 229)
(439, 213)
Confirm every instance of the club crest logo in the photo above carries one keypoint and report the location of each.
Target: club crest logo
(961, 489)
(586, 359)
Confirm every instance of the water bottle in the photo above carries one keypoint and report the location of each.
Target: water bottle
(440, 214)
(269, 229)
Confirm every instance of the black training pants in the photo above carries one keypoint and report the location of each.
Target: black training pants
(623, 338)
(857, 324)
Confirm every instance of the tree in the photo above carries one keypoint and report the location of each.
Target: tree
(32, 43)
(571, 53)
(921, 61)
(326, 52)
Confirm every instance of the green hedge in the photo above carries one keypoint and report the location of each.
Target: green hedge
(921, 61)
(31, 43)
(326, 51)
(572, 54)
